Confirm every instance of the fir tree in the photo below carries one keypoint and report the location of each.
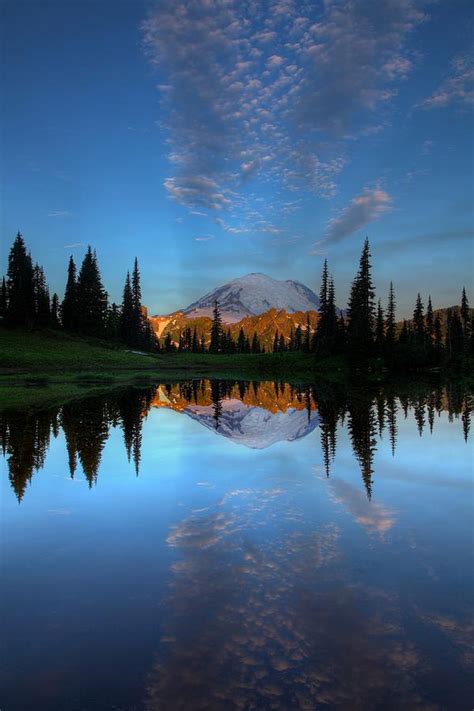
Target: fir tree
(216, 329)
(390, 322)
(195, 342)
(241, 341)
(20, 287)
(3, 301)
(54, 318)
(113, 323)
(307, 335)
(41, 294)
(465, 311)
(438, 332)
(127, 314)
(419, 322)
(255, 347)
(361, 309)
(282, 344)
(298, 338)
(276, 342)
(429, 321)
(380, 329)
(138, 321)
(91, 298)
(69, 304)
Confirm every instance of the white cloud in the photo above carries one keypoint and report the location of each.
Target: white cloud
(363, 209)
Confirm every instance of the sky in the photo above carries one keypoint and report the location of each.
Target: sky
(213, 138)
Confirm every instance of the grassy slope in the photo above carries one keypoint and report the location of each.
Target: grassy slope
(67, 366)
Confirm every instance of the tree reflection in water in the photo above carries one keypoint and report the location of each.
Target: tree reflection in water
(367, 413)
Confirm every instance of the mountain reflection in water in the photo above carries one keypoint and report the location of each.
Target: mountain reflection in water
(320, 559)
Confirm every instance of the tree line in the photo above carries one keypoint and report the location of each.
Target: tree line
(85, 309)
(366, 330)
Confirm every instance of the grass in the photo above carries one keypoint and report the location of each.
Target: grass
(51, 367)
(40, 366)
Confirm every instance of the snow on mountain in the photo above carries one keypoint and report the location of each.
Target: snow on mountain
(252, 295)
(254, 427)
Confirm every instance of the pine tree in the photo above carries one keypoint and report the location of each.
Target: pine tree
(91, 298)
(419, 322)
(361, 309)
(390, 322)
(241, 341)
(69, 304)
(429, 322)
(465, 311)
(255, 347)
(327, 325)
(438, 333)
(380, 329)
(138, 321)
(127, 314)
(41, 294)
(216, 329)
(276, 342)
(20, 287)
(113, 323)
(307, 335)
(195, 343)
(54, 318)
(3, 301)
(298, 338)
(282, 344)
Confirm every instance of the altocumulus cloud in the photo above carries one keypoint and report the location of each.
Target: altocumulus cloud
(269, 93)
(364, 208)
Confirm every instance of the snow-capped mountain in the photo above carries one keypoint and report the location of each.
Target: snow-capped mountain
(254, 427)
(252, 295)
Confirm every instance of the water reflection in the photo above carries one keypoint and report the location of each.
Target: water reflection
(256, 415)
(282, 548)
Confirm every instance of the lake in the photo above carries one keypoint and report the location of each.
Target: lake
(229, 545)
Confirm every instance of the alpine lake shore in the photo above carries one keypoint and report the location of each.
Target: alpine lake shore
(47, 367)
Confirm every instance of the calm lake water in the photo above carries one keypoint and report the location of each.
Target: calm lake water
(215, 545)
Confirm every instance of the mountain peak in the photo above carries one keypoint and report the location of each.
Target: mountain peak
(253, 294)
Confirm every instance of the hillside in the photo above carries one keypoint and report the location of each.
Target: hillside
(264, 325)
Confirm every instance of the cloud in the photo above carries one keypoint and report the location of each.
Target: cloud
(364, 208)
(204, 238)
(263, 96)
(73, 245)
(457, 88)
(197, 191)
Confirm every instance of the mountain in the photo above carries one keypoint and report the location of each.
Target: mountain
(252, 295)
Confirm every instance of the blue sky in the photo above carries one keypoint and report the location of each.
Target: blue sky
(212, 138)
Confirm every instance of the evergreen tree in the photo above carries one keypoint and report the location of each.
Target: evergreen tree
(241, 341)
(54, 319)
(419, 322)
(3, 301)
(327, 325)
(465, 311)
(298, 338)
(20, 286)
(127, 314)
(113, 323)
(361, 309)
(276, 342)
(390, 322)
(91, 298)
(380, 329)
(282, 344)
(438, 333)
(69, 304)
(307, 335)
(138, 320)
(195, 342)
(255, 347)
(41, 294)
(216, 329)
(429, 322)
